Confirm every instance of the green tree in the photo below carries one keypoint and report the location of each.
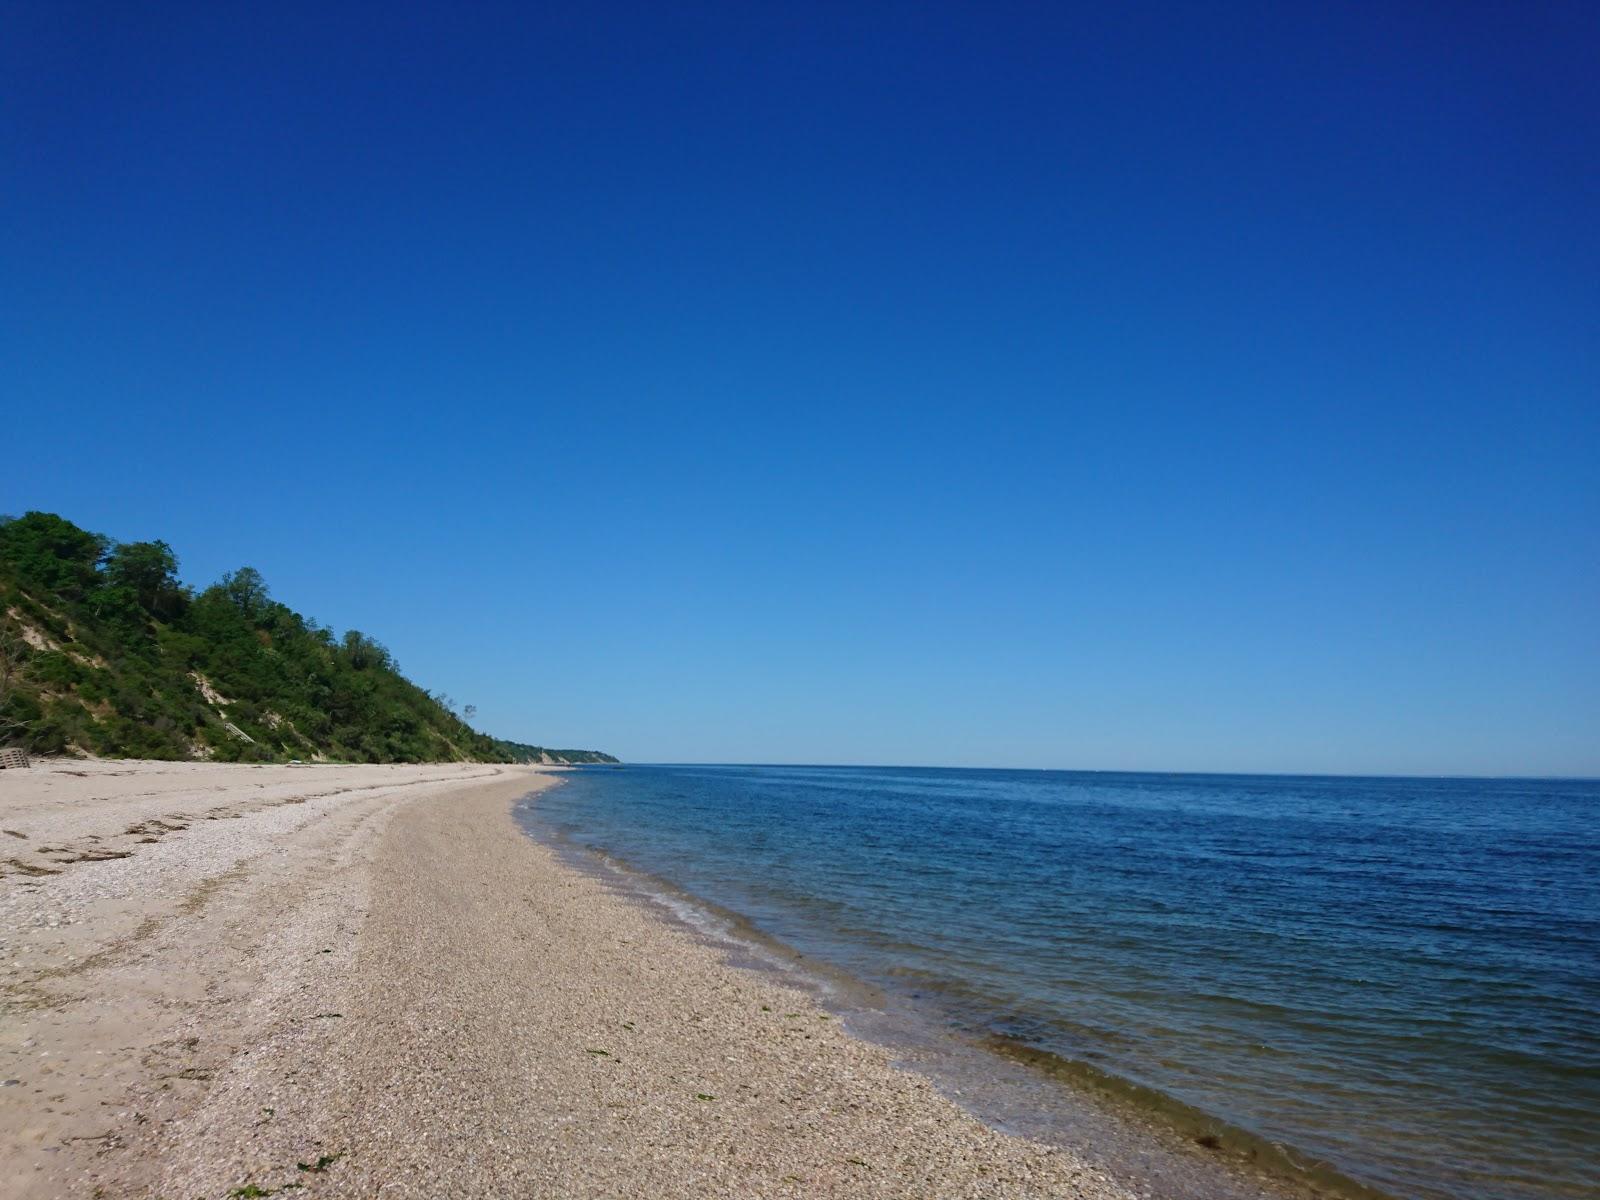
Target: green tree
(365, 653)
(248, 591)
(47, 553)
(149, 571)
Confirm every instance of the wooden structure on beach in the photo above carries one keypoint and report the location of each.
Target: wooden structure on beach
(13, 758)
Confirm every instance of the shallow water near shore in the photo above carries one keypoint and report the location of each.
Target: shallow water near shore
(1389, 981)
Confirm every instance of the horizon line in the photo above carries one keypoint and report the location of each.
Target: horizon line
(1109, 770)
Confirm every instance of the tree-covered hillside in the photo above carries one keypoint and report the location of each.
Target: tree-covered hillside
(103, 651)
(523, 753)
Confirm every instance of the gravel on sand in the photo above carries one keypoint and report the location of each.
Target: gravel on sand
(367, 981)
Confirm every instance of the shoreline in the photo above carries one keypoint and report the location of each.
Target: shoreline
(1153, 1143)
(368, 980)
(213, 974)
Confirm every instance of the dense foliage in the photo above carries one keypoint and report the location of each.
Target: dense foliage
(103, 651)
(524, 753)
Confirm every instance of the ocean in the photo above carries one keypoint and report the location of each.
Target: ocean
(1394, 982)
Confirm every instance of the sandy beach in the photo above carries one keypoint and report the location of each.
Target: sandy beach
(363, 981)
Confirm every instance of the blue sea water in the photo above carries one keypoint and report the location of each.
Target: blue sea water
(1399, 978)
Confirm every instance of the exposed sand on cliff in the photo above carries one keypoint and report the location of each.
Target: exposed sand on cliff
(365, 981)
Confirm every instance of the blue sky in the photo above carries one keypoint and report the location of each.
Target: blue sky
(1177, 387)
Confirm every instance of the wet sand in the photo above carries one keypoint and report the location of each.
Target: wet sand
(364, 981)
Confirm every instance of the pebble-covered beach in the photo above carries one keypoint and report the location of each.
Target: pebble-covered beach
(363, 981)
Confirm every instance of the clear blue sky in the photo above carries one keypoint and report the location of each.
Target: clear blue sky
(1180, 386)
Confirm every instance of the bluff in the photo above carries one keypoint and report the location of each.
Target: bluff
(104, 651)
